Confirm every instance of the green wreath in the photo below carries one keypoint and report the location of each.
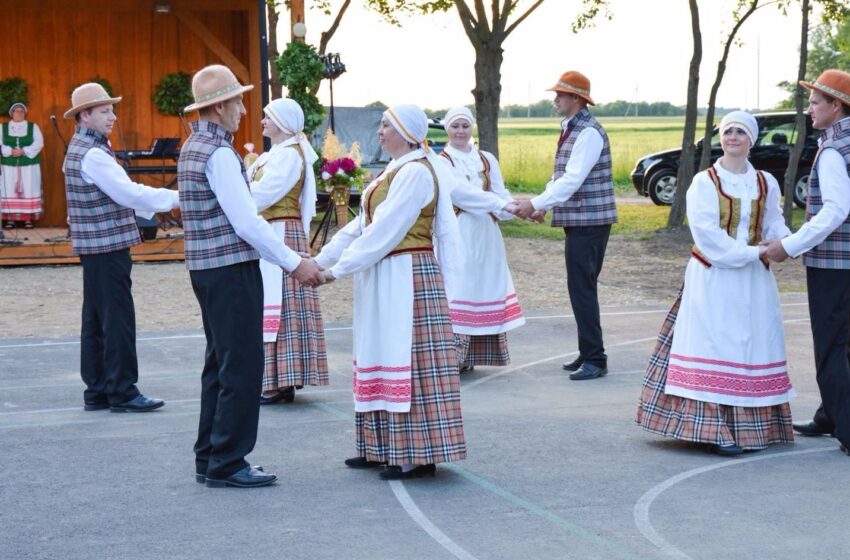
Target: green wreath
(173, 93)
(12, 90)
(300, 68)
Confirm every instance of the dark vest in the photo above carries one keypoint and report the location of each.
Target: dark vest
(98, 224)
(19, 142)
(209, 239)
(834, 251)
(593, 203)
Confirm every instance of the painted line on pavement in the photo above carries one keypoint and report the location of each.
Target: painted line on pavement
(641, 509)
(425, 524)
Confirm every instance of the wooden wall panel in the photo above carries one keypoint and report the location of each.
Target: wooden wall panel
(125, 42)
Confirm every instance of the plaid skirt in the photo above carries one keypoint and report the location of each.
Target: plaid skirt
(482, 350)
(432, 432)
(298, 356)
(699, 421)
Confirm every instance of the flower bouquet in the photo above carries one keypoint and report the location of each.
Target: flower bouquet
(340, 174)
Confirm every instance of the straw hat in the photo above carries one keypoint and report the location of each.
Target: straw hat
(575, 83)
(87, 96)
(834, 83)
(214, 84)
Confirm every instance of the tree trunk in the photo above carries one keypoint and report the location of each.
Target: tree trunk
(686, 165)
(274, 78)
(488, 92)
(797, 150)
(705, 160)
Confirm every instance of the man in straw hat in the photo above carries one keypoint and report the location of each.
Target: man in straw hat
(101, 203)
(224, 239)
(824, 242)
(581, 196)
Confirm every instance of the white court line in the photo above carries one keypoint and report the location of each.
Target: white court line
(420, 519)
(332, 329)
(641, 509)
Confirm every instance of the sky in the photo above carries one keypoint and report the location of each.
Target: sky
(642, 54)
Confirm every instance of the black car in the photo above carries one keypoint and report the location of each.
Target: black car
(655, 175)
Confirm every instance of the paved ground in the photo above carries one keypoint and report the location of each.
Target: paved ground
(556, 469)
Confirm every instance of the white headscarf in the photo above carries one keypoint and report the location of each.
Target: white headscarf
(743, 120)
(412, 123)
(456, 113)
(15, 106)
(287, 115)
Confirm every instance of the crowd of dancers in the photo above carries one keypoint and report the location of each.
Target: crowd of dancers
(433, 295)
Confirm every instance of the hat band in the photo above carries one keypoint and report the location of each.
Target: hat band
(833, 92)
(574, 88)
(218, 92)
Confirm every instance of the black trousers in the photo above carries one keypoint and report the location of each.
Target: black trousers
(231, 300)
(108, 363)
(584, 251)
(829, 309)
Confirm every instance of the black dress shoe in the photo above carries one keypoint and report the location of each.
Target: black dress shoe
(395, 472)
(588, 371)
(249, 477)
(286, 394)
(812, 429)
(843, 449)
(201, 476)
(363, 463)
(140, 404)
(725, 450)
(574, 365)
(467, 369)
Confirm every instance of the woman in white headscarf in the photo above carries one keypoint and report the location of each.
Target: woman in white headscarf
(284, 188)
(718, 375)
(21, 143)
(401, 248)
(485, 305)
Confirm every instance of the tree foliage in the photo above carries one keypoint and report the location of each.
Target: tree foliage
(300, 69)
(12, 90)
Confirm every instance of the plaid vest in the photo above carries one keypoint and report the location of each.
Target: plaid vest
(209, 239)
(593, 203)
(98, 224)
(834, 251)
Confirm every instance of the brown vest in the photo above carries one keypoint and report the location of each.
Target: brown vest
(419, 238)
(730, 214)
(288, 207)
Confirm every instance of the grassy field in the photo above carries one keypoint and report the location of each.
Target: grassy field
(527, 146)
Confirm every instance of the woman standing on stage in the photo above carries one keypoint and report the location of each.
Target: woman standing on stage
(485, 306)
(284, 187)
(718, 375)
(21, 143)
(406, 382)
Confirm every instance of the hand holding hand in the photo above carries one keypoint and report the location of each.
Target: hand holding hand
(774, 250)
(328, 276)
(308, 273)
(524, 209)
(539, 216)
(511, 207)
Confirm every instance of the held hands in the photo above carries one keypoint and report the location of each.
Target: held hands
(17, 152)
(328, 276)
(524, 209)
(773, 250)
(308, 273)
(539, 216)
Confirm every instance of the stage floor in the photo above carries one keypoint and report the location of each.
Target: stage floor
(49, 245)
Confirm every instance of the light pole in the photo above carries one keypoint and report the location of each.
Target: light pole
(334, 68)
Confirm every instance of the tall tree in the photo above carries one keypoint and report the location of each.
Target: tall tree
(743, 11)
(273, 16)
(686, 164)
(487, 30)
(833, 11)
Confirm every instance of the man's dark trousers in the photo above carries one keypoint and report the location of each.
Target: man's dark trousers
(584, 251)
(108, 363)
(829, 309)
(231, 300)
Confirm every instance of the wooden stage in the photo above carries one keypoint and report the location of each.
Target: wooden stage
(48, 245)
